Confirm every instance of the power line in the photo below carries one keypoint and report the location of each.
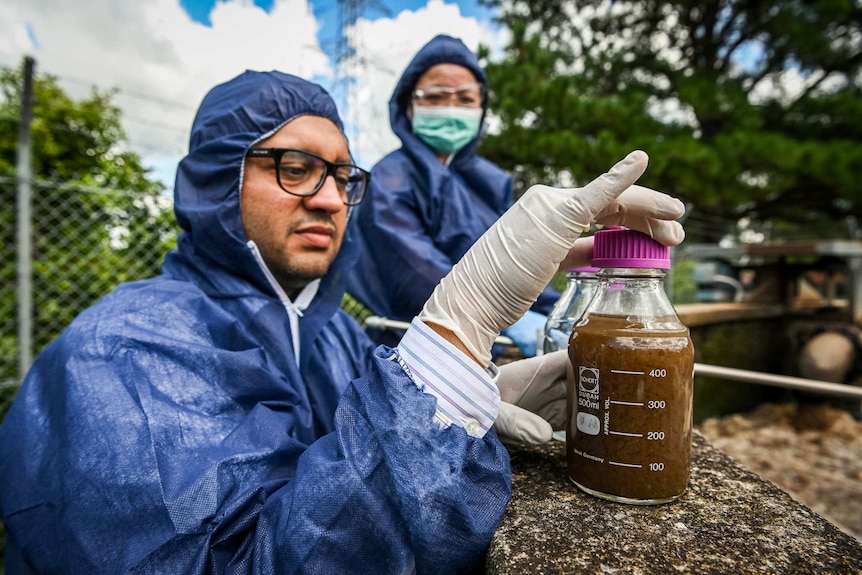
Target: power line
(151, 124)
(132, 94)
(61, 185)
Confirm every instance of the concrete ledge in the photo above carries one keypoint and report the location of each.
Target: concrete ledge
(729, 520)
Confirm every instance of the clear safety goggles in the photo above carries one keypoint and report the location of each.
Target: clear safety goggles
(464, 96)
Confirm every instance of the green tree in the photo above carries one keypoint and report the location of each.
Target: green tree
(750, 110)
(98, 220)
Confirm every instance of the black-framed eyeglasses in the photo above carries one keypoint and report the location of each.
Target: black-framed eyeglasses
(302, 174)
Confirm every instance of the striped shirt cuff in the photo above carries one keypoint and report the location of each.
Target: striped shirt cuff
(467, 395)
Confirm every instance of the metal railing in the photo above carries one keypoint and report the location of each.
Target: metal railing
(785, 381)
(702, 369)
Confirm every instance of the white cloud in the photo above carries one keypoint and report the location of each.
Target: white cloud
(163, 63)
(160, 60)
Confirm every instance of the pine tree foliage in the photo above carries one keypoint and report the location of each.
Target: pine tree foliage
(751, 111)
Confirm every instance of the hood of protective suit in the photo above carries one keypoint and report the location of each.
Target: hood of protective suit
(232, 117)
(440, 50)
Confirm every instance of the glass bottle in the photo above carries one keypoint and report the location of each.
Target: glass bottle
(629, 412)
(580, 286)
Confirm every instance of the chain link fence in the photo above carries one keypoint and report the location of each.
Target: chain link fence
(85, 241)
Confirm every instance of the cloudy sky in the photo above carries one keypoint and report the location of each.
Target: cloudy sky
(163, 55)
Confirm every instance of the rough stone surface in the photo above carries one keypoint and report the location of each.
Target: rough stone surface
(812, 451)
(729, 520)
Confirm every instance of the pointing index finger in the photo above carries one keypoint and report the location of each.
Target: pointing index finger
(615, 181)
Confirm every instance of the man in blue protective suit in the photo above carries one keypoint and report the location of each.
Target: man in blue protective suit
(431, 199)
(228, 417)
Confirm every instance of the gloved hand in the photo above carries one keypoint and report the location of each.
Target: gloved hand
(516, 423)
(533, 397)
(523, 332)
(500, 276)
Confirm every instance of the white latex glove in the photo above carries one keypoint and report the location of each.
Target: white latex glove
(501, 275)
(537, 384)
(519, 424)
(533, 397)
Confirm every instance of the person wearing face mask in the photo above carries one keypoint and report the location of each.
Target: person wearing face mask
(432, 198)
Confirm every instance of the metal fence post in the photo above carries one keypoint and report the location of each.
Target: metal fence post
(24, 170)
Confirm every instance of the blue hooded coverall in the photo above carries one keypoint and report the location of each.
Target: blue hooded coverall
(169, 428)
(420, 216)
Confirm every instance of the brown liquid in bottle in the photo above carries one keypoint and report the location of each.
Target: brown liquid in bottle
(629, 417)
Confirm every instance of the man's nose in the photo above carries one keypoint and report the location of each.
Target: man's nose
(327, 198)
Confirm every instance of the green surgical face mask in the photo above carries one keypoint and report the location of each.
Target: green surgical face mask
(446, 129)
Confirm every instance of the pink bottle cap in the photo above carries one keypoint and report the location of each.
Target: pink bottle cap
(584, 269)
(619, 247)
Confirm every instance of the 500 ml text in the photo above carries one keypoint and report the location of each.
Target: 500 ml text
(590, 402)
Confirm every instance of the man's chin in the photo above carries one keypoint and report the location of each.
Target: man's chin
(303, 270)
